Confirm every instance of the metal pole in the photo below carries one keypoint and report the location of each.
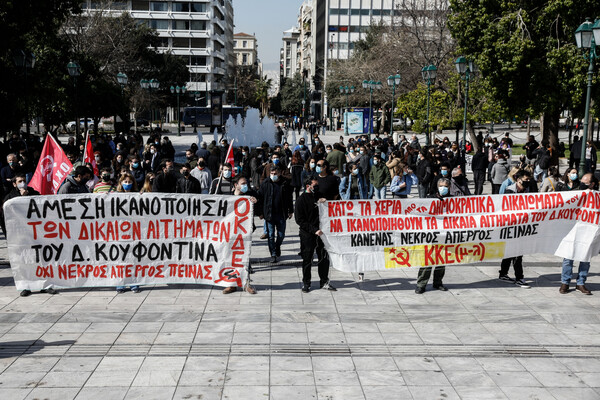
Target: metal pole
(467, 76)
(587, 110)
(427, 121)
(235, 91)
(370, 110)
(76, 108)
(178, 116)
(392, 110)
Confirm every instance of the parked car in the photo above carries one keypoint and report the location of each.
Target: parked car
(142, 122)
(71, 125)
(399, 123)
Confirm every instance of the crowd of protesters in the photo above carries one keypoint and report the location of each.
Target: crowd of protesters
(286, 181)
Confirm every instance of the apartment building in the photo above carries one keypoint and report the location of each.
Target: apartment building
(245, 49)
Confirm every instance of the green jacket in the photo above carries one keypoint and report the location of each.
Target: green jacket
(380, 175)
(336, 159)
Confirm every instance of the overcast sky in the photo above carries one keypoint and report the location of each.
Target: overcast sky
(267, 19)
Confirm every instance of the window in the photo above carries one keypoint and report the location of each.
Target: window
(244, 43)
(343, 29)
(376, 12)
(198, 43)
(139, 5)
(365, 12)
(343, 11)
(386, 13)
(181, 7)
(333, 28)
(198, 7)
(181, 25)
(159, 24)
(198, 25)
(244, 59)
(198, 60)
(118, 5)
(181, 43)
(355, 11)
(159, 6)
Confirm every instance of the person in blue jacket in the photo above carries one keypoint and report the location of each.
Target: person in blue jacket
(352, 185)
(403, 182)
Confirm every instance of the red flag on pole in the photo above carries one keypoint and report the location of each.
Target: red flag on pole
(52, 169)
(229, 158)
(88, 155)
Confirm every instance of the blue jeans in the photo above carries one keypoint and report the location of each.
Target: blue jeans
(567, 272)
(538, 171)
(275, 243)
(380, 193)
(132, 288)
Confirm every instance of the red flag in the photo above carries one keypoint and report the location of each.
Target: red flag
(53, 168)
(229, 158)
(88, 154)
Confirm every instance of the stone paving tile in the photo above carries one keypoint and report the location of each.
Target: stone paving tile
(380, 378)
(466, 378)
(195, 392)
(574, 393)
(243, 363)
(202, 378)
(425, 378)
(527, 393)
(433, 393)
(93, 393)
(340, 393)
(480, 393)
(248, 392)
(327, 363)
(368, 363)
(293, 392)
(14, 394)
(205, 363)
(291, 378)
(21, 379)
(62, 393)
(71, 379)
(558, 379)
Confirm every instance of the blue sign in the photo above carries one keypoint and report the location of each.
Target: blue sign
(365, 112)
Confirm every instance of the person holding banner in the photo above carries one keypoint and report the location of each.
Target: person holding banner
(307, 218)
(127, 184)
(588, 181)
(443, 186)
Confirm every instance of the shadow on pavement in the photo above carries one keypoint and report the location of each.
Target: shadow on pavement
(19, 348)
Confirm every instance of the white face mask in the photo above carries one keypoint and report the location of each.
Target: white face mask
(21, 185)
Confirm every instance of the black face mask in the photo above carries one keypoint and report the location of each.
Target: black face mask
(202, 164)
(583, 186)
(315, 188)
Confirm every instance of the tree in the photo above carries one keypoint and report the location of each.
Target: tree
(245, 80)
(263, 85)
(292, 94)
(526, 51)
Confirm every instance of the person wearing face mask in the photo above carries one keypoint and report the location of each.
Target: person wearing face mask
(165, 181)
(187, 183)
(591, 157)
(9, 171)
(588, 182)
(20, 188)
(379, 177)
(276, 162)
(105, 185)
(459, 184)
(443, 192)
(76, 182)
(424, 172)
(224, 183)
(403, 181)
(148, 183)
(479, 165)
(303, 149)
(552, 183)
(522, 184)
(137, 170)
(127, 184)
(276, 207)
(307, 218)
(352, 185)
(337, 158)
(571, 179)
(310, 170)
(329, 183)
(118, 161)
(191, 158)
(203, 175)
(152, 159)
(167, 148)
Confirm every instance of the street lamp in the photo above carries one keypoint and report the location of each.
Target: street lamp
(465, 69)
(75, 71)
(25, 60)
(178, 90)
(587, 36)
(371, 85)
(429, 73)
(150, 85)
(393, 81)
(122, 80)
(346, 90)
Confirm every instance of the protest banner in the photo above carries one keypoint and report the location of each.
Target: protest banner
(369, 235)
(118, 239)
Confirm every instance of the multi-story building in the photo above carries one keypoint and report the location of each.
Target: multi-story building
(200, 31)
(245, 49)
(289, 54)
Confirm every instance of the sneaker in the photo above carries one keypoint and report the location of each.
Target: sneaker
(136, 289)
(51, 291)
(25, 293)
(306, 288)
(506, 278)
(273, 259)
(229, 290)
(441, 287)
(522, 283)
(361, 277)
(264, 236)
(250, 289)
(420, 290)
(327, 286)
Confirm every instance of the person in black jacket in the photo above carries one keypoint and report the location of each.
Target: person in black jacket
(424, 173)
(165, 181)
(307, 218)
(479, 165)
(277, 206)
(187, 183)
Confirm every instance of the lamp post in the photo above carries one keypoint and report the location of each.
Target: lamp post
(25, 60)
(75, 71)
(429, 73)
(122, 80)
(235, 91)
(371, 85)
(587, 37)
(393, 81)
(178, 90)
(150, 85)
(346, 90)
(465, 69)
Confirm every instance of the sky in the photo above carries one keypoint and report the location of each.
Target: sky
(267, 19)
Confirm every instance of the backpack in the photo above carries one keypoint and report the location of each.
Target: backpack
(544, 161)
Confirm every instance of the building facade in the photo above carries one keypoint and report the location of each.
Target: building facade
(245, 49)
(199, 31)
(289, 54)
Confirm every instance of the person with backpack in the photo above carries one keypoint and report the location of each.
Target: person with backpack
(543, 155)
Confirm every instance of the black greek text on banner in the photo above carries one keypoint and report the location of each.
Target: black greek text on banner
(369, 235)
(118, 239)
